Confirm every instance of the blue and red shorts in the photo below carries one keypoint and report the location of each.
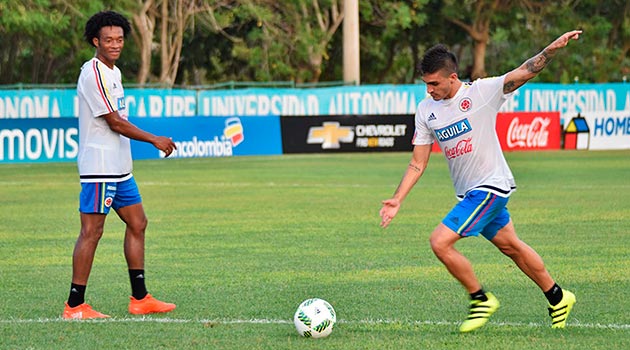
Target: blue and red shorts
(99, 197)
(480, 212)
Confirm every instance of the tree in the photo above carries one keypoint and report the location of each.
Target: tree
(599, 56)
(144, 18)
(28, 28)
(204, 41)
(172, 18)
(475, 17)
(285, 40)
(393, 36)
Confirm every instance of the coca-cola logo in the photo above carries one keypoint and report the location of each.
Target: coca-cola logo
(532, 135)
(462, 147)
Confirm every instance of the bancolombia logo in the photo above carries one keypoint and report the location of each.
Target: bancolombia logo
(222, 146)
(39, 144)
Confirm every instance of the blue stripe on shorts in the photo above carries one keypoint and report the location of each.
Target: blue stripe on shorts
(99, 197)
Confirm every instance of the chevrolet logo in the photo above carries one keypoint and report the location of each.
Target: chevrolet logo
(330, 134)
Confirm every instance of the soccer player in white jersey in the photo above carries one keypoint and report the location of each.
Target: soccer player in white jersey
(105, 166)
(461, 117)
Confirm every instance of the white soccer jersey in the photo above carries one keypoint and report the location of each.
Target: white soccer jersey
(464, 127)
(104, 155)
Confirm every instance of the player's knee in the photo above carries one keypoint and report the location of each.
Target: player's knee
(91, 233)
(508, 251)
(437, 245)
(139, 225)
(513, 249)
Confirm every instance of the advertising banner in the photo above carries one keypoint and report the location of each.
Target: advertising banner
(529, 130)
(347, 134)
(345, 100)
(39, 140)
(199, 137)
(155, 103)
(38, 103)
(382, 99)
(57, 140)
(597, 130)
(569, 98)
(60, 103)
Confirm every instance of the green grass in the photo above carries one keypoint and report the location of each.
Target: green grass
(248, 238)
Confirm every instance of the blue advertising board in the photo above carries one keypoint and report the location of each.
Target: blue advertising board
(385, 99)
(569, 98)
(57, 139)
(39, 140)
(348, 100)
(212, 137)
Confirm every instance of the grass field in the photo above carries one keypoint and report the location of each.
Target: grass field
(238, 243)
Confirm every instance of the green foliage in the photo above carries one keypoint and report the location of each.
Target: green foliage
(391, 39)
(260, 40)
(42, 40)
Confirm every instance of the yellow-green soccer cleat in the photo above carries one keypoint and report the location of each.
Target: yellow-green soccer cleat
(480, 312)
(560, 312)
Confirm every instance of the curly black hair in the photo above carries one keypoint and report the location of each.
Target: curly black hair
(436, 58)
(104, 19)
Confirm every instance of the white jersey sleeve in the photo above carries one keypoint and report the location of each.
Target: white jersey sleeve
(96, 88)
(423, 134)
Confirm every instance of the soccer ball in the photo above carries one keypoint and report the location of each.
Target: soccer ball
(314, 318)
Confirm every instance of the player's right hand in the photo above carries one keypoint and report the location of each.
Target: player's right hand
(165, 144)
(389, 211)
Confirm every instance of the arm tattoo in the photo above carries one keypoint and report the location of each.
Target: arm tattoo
(509, 86)
(415, 168)
(533, 66)
(538, 62)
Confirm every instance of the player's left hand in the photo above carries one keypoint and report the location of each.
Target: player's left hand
(564, 39)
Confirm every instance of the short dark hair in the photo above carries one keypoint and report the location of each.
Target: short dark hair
(104, 19)
(436, 58)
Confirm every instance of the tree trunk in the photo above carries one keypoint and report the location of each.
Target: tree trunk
(173, 24)
(144, 21)
(481, 38)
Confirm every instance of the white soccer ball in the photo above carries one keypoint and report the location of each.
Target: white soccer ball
(314, 318)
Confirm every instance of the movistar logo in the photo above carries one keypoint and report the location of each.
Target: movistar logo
(454, 130)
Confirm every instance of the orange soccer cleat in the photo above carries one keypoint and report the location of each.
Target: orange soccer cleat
(81, 312)
(148, 305)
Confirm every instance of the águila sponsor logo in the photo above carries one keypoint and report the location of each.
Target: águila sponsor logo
(454, 130)
(530, 135)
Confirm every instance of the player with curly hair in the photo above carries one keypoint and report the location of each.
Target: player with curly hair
(105, 168)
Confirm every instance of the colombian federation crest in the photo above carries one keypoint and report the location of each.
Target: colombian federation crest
(465, 104)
